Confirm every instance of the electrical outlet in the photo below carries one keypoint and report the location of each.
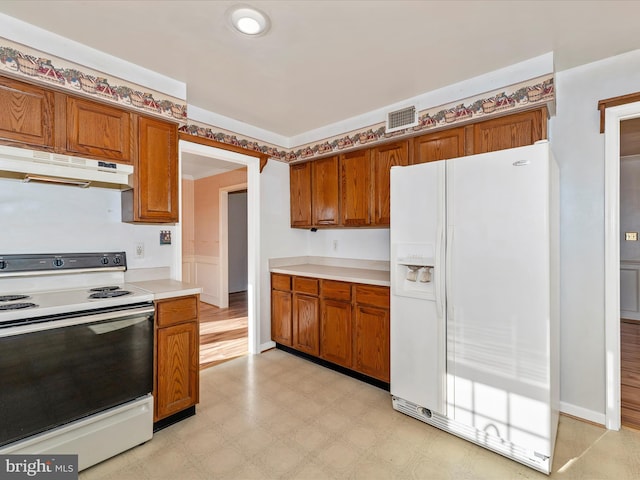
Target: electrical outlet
(139, 250)
(631, 236)
(335, 245)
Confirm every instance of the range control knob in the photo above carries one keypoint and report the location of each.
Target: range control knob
(104, 260)
(3, 264)
(58, 262)
(117, 260)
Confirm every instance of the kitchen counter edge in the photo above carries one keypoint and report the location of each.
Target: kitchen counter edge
(343, 274)
(166, 288)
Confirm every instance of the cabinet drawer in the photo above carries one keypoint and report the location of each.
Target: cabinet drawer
(372, 295)
(305, 285)
(336, 290)
(280, 281)
(177, 310)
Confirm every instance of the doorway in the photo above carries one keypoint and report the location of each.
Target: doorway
(613, 118)
(252, 186)
(630, 272)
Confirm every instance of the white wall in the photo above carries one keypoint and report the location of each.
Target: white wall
(364, 243)
(579, 150)
(277, 238)
(629, 206)
(237, 241)
(39, 218)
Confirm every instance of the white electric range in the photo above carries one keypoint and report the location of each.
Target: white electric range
(77, 356)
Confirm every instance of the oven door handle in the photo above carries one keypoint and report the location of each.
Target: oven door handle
(69, 322)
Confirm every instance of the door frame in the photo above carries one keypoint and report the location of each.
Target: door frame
(613, 117)
(253, 230)
(223, 228)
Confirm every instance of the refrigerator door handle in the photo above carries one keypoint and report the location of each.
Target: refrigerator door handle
(439, 271)
(448, 283)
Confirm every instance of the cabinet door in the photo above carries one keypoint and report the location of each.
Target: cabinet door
(281, 331)
(98, 130)
(371, 342)
(383, 158)
(325, 191)
(155, 192)
(177, 368)
(306, 330)
(439, 145)
(27, 114)
(510, 131)
(355, 176)
(300, 194)
(335, 332)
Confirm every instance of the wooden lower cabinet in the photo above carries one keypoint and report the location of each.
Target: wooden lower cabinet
(335, 332)
(281, 311)
(344, 323)
(371, 342)
(177, 353)
(306, 325)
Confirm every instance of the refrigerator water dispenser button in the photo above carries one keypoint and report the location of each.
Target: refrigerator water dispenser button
(412, 273)
(425, 274)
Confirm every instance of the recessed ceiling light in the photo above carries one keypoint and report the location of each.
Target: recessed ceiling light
(248, 20)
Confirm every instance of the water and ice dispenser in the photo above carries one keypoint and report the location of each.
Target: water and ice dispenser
(413, 265)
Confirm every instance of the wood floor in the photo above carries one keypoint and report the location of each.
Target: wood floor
(223, 331)
(630, 372)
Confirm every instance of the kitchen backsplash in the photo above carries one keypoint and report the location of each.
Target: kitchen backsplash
(38, 218)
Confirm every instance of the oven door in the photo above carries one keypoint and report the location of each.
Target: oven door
(57, 370)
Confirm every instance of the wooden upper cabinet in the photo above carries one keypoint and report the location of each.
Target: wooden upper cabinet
(355, 177)
(325, 191)
(511, 131)
(154, 197)
(382, 159)
(98, 130)
(26, 114)
(439, 145)
(300, 194)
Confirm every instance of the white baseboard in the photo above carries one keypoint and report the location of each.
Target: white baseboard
(267, 346)
(210, 299)
(580, 412)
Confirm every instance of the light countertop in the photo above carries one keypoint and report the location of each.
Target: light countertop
(167, 288)
(328, 270)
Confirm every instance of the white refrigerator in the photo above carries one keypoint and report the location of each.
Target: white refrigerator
(474, 299)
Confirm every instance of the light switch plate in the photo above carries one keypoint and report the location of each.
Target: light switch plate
(631, 236)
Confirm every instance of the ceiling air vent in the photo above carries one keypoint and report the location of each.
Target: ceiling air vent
(400, 119)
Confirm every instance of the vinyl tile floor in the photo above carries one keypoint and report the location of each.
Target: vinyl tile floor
(276, 416)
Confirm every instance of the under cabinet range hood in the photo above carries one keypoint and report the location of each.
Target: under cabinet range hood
(37, 166)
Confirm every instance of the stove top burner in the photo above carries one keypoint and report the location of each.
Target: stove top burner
(11, 298)
(17, 306)
(109, 294)
(105, 289)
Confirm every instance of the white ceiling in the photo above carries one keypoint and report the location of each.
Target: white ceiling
(326, 61)
(195, 166)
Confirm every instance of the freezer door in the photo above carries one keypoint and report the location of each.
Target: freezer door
(498, 294)
(417, 295)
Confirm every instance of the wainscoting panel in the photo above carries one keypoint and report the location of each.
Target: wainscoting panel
(207, 276)
(630, 289)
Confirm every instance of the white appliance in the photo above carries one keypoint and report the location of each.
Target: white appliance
(474, 304)
(38, 166)
(76, 367)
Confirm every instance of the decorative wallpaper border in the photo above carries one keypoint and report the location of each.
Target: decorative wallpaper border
(211, 132)
(22, 61)
(514, 98)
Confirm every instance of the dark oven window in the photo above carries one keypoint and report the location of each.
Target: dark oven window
(55, 376)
